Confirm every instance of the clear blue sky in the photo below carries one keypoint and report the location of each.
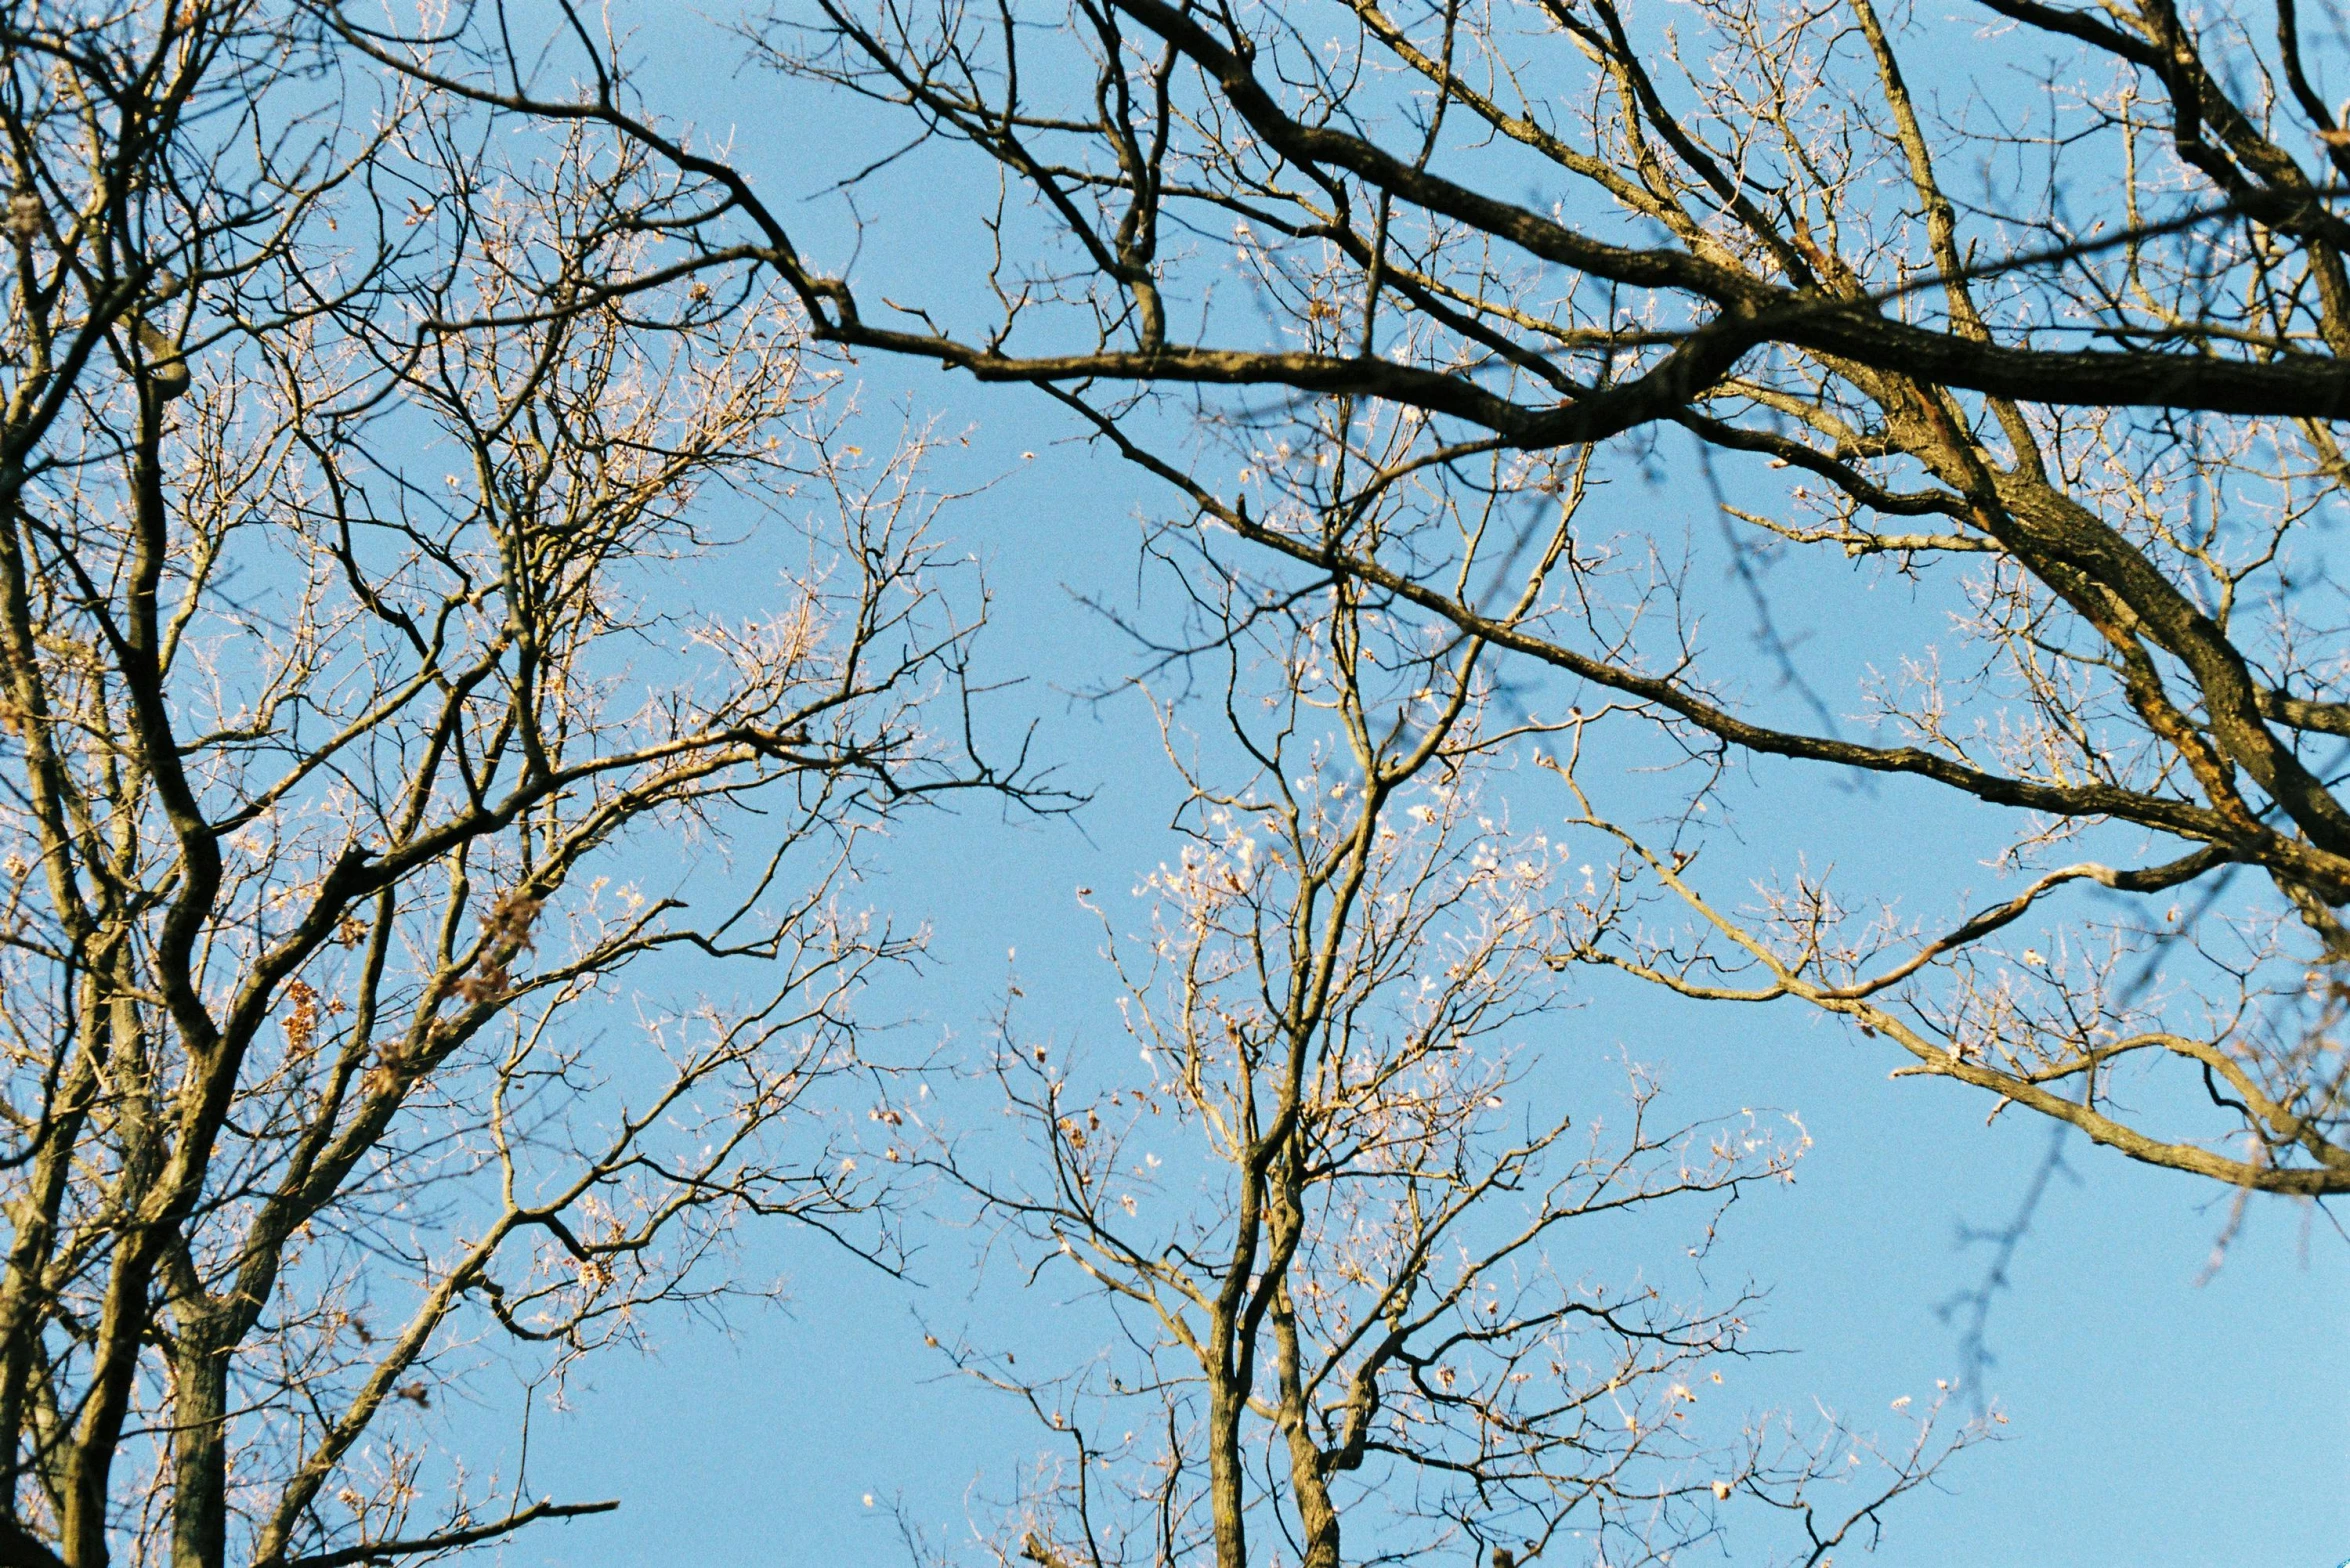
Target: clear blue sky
(2152, 1420)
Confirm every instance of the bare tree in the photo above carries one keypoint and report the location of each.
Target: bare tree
(2082, 394)
(1335, 1205)
(360, 637)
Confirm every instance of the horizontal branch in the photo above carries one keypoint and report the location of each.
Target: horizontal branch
(448, 1541)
